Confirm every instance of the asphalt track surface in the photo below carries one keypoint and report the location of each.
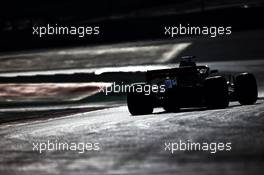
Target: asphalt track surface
(136, 144)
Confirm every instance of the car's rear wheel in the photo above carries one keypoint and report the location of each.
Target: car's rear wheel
(216, 92)
(139, 103)
(246, 89)
(171, 102)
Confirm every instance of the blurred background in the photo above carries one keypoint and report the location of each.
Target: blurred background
(119, 20)
(131, 40)
(50, 86)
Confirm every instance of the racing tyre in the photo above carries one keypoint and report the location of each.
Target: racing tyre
(246, 89)
(216, 93)
(170, 103)
(139, 103)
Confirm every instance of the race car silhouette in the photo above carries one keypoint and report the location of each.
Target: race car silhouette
(190, 85)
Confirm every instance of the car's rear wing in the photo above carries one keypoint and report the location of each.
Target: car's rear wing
(172, 72)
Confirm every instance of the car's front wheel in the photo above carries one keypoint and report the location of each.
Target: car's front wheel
(246, 89)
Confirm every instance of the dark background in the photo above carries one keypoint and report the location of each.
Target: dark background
(119, 20)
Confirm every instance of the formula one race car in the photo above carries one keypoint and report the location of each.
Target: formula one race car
(190, 86)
